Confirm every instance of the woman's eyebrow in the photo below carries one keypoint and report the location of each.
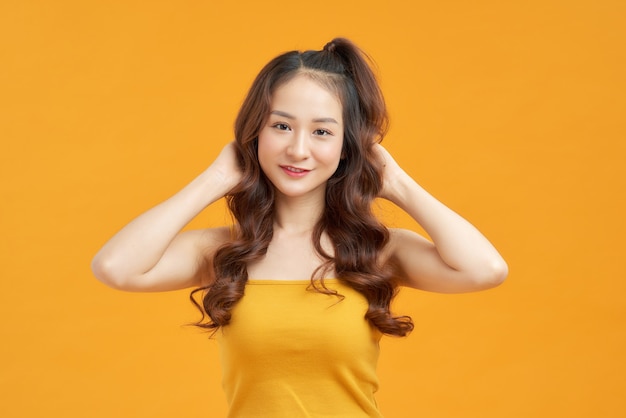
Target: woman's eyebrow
(326, 120)
(292, 117)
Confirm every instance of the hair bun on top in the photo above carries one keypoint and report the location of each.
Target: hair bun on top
(340, 43)
(330, 46)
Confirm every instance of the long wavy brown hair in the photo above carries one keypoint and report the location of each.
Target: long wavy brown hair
(358, 237)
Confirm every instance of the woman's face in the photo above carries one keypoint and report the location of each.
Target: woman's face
(300, 145)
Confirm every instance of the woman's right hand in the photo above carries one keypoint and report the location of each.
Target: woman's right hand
(226, 168)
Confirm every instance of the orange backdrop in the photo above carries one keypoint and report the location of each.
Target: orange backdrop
(510, 112)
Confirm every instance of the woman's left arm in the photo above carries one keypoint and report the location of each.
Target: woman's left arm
(459, 258)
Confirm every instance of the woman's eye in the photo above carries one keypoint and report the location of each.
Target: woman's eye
(281, 126)
(321, 132)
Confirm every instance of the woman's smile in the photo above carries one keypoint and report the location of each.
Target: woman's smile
(294, 171)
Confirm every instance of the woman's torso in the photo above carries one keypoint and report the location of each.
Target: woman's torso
(290, 351)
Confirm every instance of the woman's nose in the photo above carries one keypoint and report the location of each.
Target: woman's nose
(299, 147)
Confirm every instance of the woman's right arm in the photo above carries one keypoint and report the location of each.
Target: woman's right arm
(151, 254)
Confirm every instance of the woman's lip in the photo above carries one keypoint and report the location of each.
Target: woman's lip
(294, 171)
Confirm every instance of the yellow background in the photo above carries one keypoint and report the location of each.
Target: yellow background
(512, 113)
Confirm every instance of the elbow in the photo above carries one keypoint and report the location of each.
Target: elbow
(104, 270)
(494, 274)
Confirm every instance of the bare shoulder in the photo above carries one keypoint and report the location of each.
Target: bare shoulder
(205, 243)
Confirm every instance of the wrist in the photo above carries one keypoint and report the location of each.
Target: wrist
(396, 187)
(210, 186)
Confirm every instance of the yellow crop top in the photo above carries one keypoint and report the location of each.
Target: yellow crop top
(292, 352)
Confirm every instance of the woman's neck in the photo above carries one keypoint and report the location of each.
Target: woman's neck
(297, 214)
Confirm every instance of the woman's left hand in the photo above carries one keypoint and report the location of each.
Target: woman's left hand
(393, 174)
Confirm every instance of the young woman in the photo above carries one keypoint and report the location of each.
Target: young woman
(298, 291)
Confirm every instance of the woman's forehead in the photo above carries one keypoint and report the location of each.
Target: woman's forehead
(303, 97)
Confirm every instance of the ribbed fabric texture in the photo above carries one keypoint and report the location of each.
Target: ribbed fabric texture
(292, 352)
